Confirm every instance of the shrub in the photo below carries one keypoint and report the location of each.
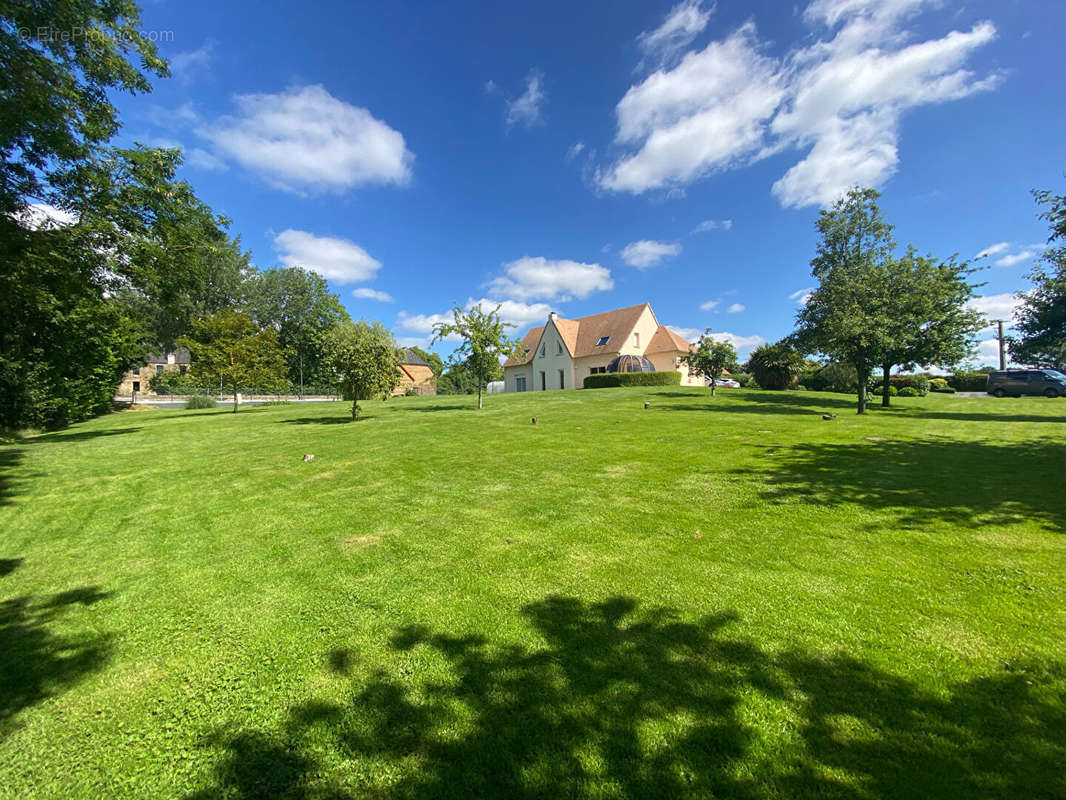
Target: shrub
(603, 380)
(879, 390)
(833, 378)
(200, 401)
(800, 387)
(936, 384)
(775, 366)
(909, 391)
(969, 381)
(944, 390)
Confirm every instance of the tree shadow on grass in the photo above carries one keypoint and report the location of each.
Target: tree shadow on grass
(60, 437)
(10, 457)
(624, 702)
(36, 663)
(320, 420)
(967, 483)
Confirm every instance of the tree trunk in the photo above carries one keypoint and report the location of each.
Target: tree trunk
(355, 410)
(886, 385)
(235, 404)
(479, 394)
(714, 385)
(301, 373)
(863, 374)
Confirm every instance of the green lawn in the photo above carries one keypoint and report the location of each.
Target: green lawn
(727, 598)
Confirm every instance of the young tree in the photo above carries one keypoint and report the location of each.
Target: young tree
(364, 356)
(848, 314)
(1042, 313)
(298, 304)
(485, 343)
(928, 321)
(775, 366)
(231, 349)
(710, 358)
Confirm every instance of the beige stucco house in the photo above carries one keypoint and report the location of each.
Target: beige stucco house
(562, 352)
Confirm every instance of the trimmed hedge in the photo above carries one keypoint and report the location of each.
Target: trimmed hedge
(944, 390)
(968, 381)
(909, 391)
(604, 380)
(879, 390)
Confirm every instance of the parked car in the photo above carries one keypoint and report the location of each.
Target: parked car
(728, 383)
(1016, 382)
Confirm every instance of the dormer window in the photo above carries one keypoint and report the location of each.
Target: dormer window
(603, 340)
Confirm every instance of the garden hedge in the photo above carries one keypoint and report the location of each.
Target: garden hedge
(603, 380)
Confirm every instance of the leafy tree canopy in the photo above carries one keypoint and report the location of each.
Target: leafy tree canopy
(710, 359)
(484, 342)
(1041, 325)
(365, 358)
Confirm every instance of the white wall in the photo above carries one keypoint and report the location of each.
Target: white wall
(555, 358)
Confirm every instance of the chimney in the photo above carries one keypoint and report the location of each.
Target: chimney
(552, 315)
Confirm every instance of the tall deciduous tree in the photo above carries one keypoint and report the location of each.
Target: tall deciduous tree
(1042, 313)
(927, 320)
(710, 358)
(847, 316)
(230, 349)
(485, 342)
(298, 304)
(365, 359)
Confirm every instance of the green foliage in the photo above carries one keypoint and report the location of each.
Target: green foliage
(710, 358)
(170, 382)
(920, 383)
(973, 381)
(298, 304)
(484, 342)
(832, 377)
(603, 380)
(457, 379)
(365, 358)
(228, 348)
(909, 391)
(775, 366)
(879, 390)
(1041, 316)
(944, 389)
(200, 401)
(935, 384)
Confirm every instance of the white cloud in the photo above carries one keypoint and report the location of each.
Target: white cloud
(741, 343)
(521, 315)
(41, 216)
(993, 249)
(1026, 253)
(683, 23)
(526, 108)
(332, 257)
(491, 87)
(366, 293)
(201, 159)
(709, 305)
(996, 306)
(575, 150)
(184, 66)
(736, 308)
(539, 278)
(801, 296)
(713, 225)
(688, 334)
(421, 323)
(840, 97)
(306, 140)
(648, 253)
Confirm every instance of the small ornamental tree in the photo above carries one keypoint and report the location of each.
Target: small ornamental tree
(775, 366)
(228, 348)
(485, 342)
(710, 358)
(365, 359)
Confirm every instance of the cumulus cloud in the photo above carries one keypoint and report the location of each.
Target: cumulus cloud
(186, 65)
(709, 305)
(306, 140)
(648, 253)
(521, 315)
(683, 23)
(526, 108)
(366, 293)
(575, 150)
(332, 257)
(201, 159)
(713, 225)
(539, 278)
(839, 98)
(736, 308)
(741, 343)
(997, 306)
(688, 334)
(1021, 254)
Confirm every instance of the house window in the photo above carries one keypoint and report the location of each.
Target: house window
(136, 386)
(562, 380)
(520, 383)
(603, 340)
(183, 369)
(543, 347)
(636, 339)
(158, 368)
(543, 382)
(597, 370)
(136, 370)
(558, 348)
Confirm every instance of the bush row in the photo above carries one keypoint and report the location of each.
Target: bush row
(603, 380)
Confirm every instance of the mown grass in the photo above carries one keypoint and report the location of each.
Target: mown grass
(728, 598)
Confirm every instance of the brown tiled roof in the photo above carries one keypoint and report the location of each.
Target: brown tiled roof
(581, 335)
(666, 341)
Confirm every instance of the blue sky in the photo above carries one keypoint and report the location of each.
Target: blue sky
(579, 157)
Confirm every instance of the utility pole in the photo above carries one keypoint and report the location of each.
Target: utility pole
(1002, 350)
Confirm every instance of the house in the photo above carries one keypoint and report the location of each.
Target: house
(415, 374)
(562, 352)
(136, 380)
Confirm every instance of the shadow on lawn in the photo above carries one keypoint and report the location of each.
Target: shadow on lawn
(36, 663)
(10, 456)
(625, 702)
(969, 483)
(60, 437)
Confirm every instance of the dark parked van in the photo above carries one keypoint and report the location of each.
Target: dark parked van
(1016, 382)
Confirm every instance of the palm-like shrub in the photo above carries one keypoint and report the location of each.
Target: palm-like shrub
(775, 366)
